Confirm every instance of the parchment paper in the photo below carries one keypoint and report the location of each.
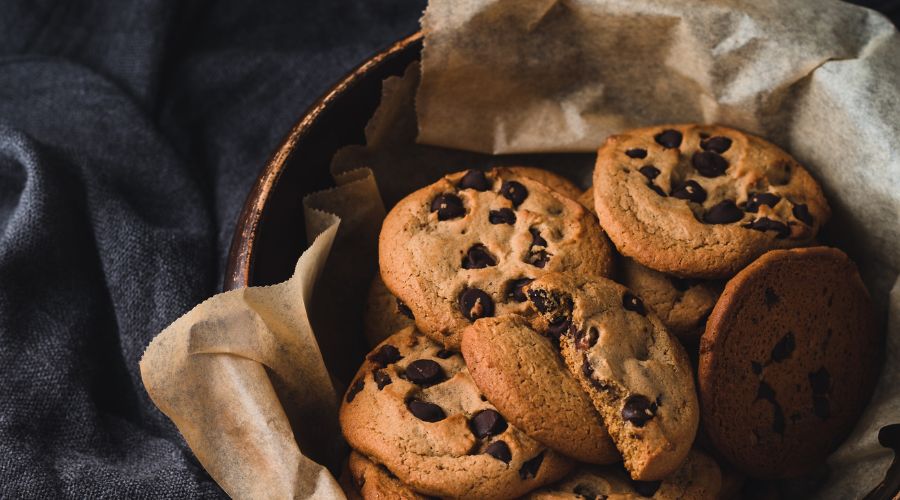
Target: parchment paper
(252, 377)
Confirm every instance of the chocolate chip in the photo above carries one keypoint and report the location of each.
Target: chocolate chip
(424, 372)
(645, 488)
(756, 200)
(669, 138)
(531, 466)
(756, 367)
(423, 410)
(354, 389)
(381, 378)
(770, 297)
(536, 238)
(447, 206)
(691, 191)
(801, 212)
(514, 192)
(404, 309)
(444, 354)
(500, 451)
(502, 216)
(586, 369)
(538, 259)
(724, 212)
(587, 339)
(385, 355)
(514, 290)
(478, 257)
(656, 189)
(820, 381)
(717, 144)
(767, 224)
(475, 304)
(765, 391)
(559, 327)
(638, 410)
(821, 406)
(475, 179)
(649, 171)
(542, 301)
(636, 153)
(487, 423)
(587, 492)
(709, 164)
(777, 419)
(632, 302)
(783, 348)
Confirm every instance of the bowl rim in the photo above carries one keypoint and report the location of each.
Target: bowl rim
(240, 253)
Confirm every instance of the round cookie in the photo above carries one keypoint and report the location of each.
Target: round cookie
(682, 304)
(636, 373)
(703, 201)
(699, 478)
(384, 314)
(789, 358)
(414, 408)
(375, 482)
(522, 374)
(463, 247)
(552, 180)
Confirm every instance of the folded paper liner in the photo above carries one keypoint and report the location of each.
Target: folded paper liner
(252, 378)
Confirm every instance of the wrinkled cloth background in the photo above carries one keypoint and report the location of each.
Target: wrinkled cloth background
(130, 134)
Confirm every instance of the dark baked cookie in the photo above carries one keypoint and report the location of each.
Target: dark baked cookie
(462, 248)
(522, 374)
(414, 408)
(703, 201)
(384, 314)
(698, 478)
(636, 373)
(788, 360)
(375, 482)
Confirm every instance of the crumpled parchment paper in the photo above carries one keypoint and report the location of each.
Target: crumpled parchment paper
(252, 377)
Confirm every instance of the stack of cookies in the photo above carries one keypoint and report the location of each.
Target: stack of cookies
(533, 340)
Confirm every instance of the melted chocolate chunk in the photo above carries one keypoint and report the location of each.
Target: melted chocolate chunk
(770, 297)
(587, 339)
(588, 492)
(559, 327)
(632, 302)
(381, 378)
(475, 304)
(478, 257)
(656, 189)
(546, 302)
(649, 171)
(709, 164)
(765, 392)
(724, 212)
(638, 410)
(385, 355)
(502, 216)
(537, 258)
(487, 423)
(423, 410)
(500, 451)
(354, 389)
(756, 200)
(636, 153)
(404, 309)
(756, 367)
(514, 289)
(444, 354)
(691, 191)
(424, 372)
(514, 192)
(784, 348)
(767, 224)
(717, 144)
(448, 206)
(475, 179)
(536, 238)
(821, 407)
(645, 488)
(669, 138)
(801, 212)
(531, 466)
(820, 381)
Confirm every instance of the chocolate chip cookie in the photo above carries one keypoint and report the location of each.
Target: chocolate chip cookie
(789, 358)
(636, 373)
(375, 482)
(462, 248)
(384, 314)
(682, 304)
(414, 409)
(522, 374)
(699, 478)
(703, 201)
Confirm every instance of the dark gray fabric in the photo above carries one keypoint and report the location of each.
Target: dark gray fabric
(130, 134)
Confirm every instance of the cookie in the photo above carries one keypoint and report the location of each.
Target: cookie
(699, 478)
(375, 482)
(703, 201)
(635, 372)
(384, 314)
(587, 200)
(552, 180)
(522, 374)
(461, 249)
(789, 358)
(682, 304)
(413, 408)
